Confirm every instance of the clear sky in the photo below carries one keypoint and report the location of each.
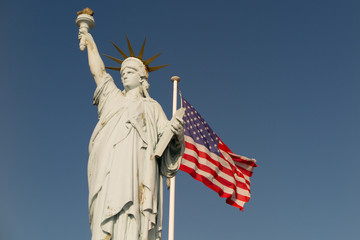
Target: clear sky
(276, 80)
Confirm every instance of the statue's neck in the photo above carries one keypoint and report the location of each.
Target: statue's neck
(134, 93)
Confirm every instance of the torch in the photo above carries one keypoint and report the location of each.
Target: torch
(84, 21)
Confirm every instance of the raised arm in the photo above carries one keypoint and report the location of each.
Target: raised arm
(96, 64)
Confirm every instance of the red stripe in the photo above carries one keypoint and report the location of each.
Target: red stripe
(235, 166)
(239, 159)
(234, 156)
(215, 174)
(214, 187)
(221, 167)
(232, 203)
(243, 170)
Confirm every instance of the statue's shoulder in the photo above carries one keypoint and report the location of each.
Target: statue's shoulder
(152, 103)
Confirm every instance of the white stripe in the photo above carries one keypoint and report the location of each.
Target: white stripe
(202, 148)
(215, 182)
(224, 163)
(218, 171)
(227, 157)
(243, 157)
(210, 177)
(244, 166)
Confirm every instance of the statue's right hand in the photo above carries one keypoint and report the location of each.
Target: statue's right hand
(86, 37)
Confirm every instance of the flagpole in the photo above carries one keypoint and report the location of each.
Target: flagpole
(175, 80)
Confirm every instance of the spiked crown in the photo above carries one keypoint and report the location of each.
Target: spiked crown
(132, 55)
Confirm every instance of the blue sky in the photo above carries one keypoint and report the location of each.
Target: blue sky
(276, 80)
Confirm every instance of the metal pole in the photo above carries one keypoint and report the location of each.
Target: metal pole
(175, 80)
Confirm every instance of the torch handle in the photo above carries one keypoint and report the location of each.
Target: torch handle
(84, 29)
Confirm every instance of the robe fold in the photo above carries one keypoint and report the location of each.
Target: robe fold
(125, 178)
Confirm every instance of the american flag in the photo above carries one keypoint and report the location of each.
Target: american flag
(208, 160)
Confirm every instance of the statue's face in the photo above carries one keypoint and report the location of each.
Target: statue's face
(130, 78)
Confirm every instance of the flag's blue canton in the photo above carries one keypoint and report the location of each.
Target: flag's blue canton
(197, 128)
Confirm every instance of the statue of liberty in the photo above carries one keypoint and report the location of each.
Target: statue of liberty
(124, 175)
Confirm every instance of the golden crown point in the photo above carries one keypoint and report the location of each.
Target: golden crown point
(132, 54)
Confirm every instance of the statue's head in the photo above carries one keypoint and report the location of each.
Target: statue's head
(133, 73)
(137, 64)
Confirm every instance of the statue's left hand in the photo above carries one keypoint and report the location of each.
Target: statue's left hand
(177, 127)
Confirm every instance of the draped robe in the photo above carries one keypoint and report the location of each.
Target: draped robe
(125, 178)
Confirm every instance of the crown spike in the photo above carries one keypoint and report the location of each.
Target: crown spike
(142, 50)
(121, 52)
(151, 69)
(114, 68)
(147, 62)
(115, 59)
(140, 56)
(130, 48)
